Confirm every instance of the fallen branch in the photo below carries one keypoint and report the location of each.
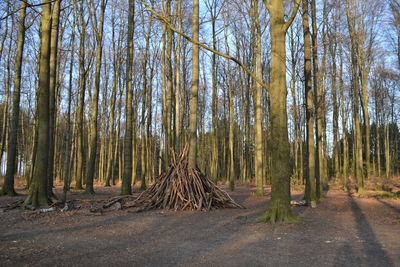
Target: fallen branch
(11, 206)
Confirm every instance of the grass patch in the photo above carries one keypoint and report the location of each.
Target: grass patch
(381, 195)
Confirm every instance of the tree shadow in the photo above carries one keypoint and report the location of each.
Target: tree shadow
(396, 209)
(373, 249)
(346, 256)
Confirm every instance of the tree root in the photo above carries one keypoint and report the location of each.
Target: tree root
(278, 213)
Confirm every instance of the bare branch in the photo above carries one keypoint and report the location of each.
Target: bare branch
(244, 67)
(293, 15)
(267, 5)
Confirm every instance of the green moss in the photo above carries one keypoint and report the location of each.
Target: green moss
(278, 213)
(9, 192)
(386, 195)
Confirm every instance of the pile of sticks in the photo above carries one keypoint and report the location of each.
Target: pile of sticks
(183, 188)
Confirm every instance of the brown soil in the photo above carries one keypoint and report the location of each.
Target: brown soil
(341, 231)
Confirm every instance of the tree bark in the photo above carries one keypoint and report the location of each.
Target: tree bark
(195, 88)
(55, 17)
(38, 188)
(310, 189)
(126, 188)
(279, 210)
(8, 187)
(95, 105)
(258, 129)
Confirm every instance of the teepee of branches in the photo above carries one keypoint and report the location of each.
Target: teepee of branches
(183, 188)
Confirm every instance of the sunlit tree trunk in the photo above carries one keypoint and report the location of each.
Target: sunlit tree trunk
(317, 101)
(214, 107)
(279, 207)
(310, 189)
(178, 86)
(387, 151)
(195, 87)
(258, 129)
(356, 87)
(345, 159)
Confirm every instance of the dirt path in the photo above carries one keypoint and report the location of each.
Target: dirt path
(342, 231)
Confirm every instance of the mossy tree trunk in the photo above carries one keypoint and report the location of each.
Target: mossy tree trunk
(55, 17)
(38, 187)
(279, 210)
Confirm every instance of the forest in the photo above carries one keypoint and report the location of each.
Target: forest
(266, 107)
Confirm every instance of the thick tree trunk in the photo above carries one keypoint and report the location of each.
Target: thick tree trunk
(279, 210)
(38, 188)
(55, 17)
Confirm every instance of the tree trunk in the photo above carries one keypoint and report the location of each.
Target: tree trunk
(178, 87)
(8, 187)
(126, 188)
(258, 129)
(214, 108)
(38, 188)
(68, 137)
(95, 105)
(317, 101)
(55, 17)
(279, 210)
(310, 190)
(195, 88)
(356, 87)
(81, 108)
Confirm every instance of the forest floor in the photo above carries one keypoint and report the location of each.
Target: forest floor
(342, 231)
